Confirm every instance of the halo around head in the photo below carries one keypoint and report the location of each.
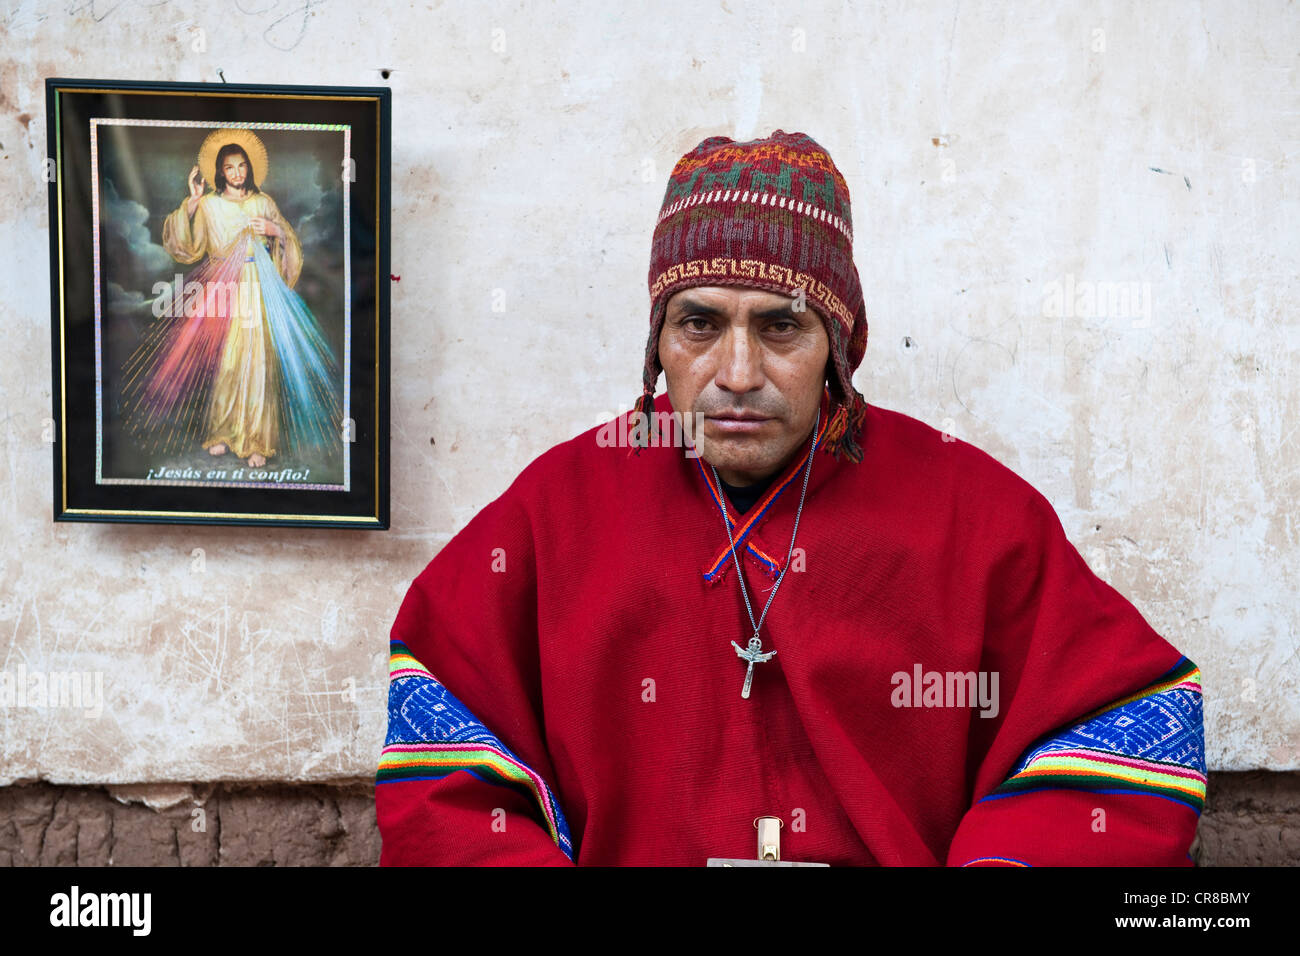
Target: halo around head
(243, 137)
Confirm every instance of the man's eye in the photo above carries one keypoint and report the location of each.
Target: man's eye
(783, 325)
(702, 326)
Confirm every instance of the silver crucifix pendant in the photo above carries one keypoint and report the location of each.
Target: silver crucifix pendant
(754, 656)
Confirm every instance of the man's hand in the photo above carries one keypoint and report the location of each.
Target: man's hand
(264, 227)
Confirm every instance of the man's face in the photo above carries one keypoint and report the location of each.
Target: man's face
(234, 169)
(752, 366)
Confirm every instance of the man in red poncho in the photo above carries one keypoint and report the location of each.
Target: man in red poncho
(758, 596)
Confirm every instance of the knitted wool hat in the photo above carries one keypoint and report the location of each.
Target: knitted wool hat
(769, 214)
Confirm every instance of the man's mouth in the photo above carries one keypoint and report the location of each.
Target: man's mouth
(738, 423)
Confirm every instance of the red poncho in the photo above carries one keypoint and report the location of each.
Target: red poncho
(952, 685)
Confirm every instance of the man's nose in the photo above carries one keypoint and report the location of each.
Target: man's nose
(741, 367)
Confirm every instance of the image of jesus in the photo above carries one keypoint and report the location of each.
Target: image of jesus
(243, 336)
(244, 412)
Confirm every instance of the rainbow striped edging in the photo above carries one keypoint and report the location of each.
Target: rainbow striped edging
(1151, 742)
(402, 663)
(431, 735)
(1001, 860)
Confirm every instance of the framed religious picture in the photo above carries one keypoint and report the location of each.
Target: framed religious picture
(219, 294)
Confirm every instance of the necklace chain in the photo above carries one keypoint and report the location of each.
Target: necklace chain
(807, 472)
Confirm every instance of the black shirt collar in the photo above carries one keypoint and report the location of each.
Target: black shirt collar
(742, 497)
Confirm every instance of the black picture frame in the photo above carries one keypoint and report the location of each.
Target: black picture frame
(138, 385)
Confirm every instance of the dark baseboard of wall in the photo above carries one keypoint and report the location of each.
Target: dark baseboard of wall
(1250, 819)
(218, 824)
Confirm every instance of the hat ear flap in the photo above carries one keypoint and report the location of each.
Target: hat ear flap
(650, 370)
(858, 341)
(843, 435)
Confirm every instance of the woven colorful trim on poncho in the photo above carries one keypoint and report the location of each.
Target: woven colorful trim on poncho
(432, 734)
(1151, 742)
